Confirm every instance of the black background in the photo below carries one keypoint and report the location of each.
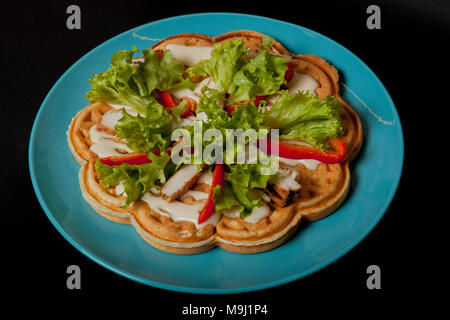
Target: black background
(408, 54)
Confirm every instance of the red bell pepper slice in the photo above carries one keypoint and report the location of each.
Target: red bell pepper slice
(132, 159)
(165, 99)
(291, 151)
(208, 209)
(289, 72)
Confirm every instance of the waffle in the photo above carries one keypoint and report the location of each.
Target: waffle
(322, 190)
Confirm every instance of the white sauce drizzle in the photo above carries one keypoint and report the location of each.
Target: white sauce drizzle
(300, 82)
(190, 121)
(310, 164)
(181, 93)
(189, 55)
(197, 195)
(303, 82)
(233, 212)
(256, 215)
(127, 109)
(111, 118)
(103, 145)
(207, 82)
(179, 211)
(120, 189)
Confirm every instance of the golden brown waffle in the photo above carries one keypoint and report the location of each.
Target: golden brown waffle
(322, 192)
(78, 134)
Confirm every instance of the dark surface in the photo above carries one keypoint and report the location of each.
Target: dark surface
(407, 55)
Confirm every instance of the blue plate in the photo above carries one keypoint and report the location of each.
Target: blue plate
(375, 173)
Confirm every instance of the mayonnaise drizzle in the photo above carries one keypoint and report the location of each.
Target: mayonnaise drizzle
(189, 55)
(256, 215)
(207, 82)
(300, 82)
(183, 92)
(128, 109)
(190, 121)
(104, 146)
(310, 164)
(179, 211)
(303, 82)
(111, 118)
(197, 195)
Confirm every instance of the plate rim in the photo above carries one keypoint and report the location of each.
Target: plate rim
(202, 290)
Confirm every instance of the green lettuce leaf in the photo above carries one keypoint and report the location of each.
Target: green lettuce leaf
(163, 74)
(306, 117)
(137, 179)
(266, 42)
(177, 111)
(245, 117)
(225, 62)
(145, 134)
(132, 83)
(242, 188)
(239, 77)
(262, 75)
(119, 84)
(224, 198)
(315, 132)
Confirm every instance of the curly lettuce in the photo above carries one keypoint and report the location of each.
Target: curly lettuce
(237, 76)
(242, 118)
(137, 180)
(260, 76)
(161, 71)
(146, 133)
(242, 188)
(306, 117)
(226, 60)
(132, 83)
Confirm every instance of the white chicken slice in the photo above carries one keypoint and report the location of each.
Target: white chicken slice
(288, 179)
(180, 182)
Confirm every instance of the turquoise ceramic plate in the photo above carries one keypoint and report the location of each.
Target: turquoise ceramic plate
(375, 173)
